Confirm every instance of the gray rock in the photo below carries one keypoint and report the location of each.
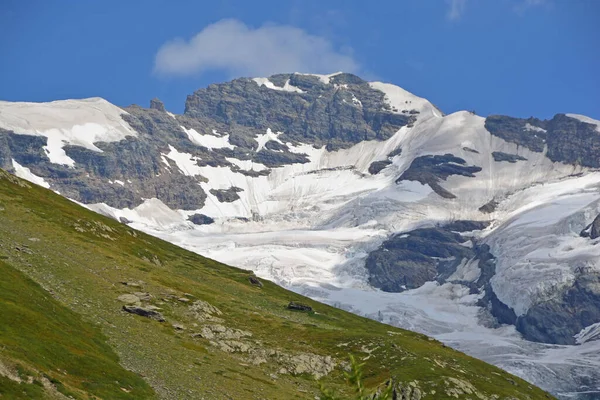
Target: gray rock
(466, 226)
(201, 219)
(296, 306)
(323, 115)
(569, 140)
(431, 169)
(559, 319)
(227, 195)
(377, 166)
(156, 104)
(595, 229)
(144, 312)
(489, 207)
(513, 130)
(408, 260)
(129, 299)
(511, 158)
(255, 281)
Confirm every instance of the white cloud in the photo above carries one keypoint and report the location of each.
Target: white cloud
(229, 45)
(457, 8)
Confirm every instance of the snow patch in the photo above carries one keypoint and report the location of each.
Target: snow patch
(533, 128)
(588, 120)
(247, 165)
(208, 141)
(187, 164)
(588, 334)
(265, 137)
(25, 173)
(404, 100)
(323, 78)
(151, 214)
(286, 87)
(74, 122)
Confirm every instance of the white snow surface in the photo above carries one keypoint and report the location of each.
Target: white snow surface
(588, 333)
(322, 78)
(25, 173)
(286, 87)
(208, 141)
(311, 227)
(583, 118)
(75, 122)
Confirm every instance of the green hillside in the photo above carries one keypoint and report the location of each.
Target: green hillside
(67, 274)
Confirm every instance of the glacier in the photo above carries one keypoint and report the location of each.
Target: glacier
(310, 226)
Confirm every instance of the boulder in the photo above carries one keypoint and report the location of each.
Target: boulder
(145, 312)
(129, 299)
(298, 306)
(254, 280)
(201, 219)
(156, 104)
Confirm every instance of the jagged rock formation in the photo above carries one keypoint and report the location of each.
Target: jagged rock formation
(327, 183)
(430, 170)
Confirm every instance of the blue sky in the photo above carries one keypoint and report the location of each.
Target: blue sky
(515, 57)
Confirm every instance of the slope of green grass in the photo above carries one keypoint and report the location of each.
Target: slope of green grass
(53, 343)
(223, 337)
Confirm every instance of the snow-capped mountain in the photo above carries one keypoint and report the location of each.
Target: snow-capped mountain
(481, 232)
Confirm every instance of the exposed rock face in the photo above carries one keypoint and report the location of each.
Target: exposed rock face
(320, 114)
(430, 170)
(530, 133)
(294, 305)
(511, 158)
(592, 230)
(201, 219)
(255, 281)
(377, 166)
(408, 260)
(145, 312)
(489, 207)
(568, 139)
(227, 195)
(560, 319)
(156, 104)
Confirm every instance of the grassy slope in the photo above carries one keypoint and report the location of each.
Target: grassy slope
(81, 258)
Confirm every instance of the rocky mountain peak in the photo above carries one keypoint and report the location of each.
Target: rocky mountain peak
(156, 104)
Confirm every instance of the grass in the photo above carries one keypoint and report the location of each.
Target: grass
(39, 333)
(82, 259)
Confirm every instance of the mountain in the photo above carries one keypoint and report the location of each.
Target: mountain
(480, 232)
(94, 309)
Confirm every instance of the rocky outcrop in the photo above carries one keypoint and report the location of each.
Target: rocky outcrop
(145, 312)
(489, 207)
(511, 158)
(560, 319)
(156, 104)
(336, 114)
(255, 281)
(592, 230)
(530, 133)
(227, 195)
(408, 260)
(377, 166)
(201, 219)
(568, 140)
(296, 306)
(431, 169)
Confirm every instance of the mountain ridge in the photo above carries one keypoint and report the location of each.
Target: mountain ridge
(210, 325)
(305, 179)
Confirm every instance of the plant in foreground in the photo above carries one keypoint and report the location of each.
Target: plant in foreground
(354, 378)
